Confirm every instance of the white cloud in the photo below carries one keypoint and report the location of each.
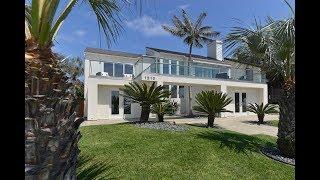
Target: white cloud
(184, 6)
(65, 38)
(147, 25)
(80, 32)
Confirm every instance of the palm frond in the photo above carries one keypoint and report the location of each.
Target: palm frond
(212, 102)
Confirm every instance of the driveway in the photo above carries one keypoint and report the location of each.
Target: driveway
(239, 124)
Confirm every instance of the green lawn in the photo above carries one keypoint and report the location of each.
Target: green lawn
(272, 123)
(127, 152)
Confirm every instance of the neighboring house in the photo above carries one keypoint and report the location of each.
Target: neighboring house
(107, 71)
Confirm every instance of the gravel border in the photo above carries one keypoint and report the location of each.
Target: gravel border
(275, 154)
(162, 126)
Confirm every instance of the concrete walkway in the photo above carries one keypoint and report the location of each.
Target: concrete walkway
(239, 124)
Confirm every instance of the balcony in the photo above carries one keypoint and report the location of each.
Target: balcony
(197, 70)
(110, 70)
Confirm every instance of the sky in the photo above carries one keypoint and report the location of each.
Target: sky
(80, 29)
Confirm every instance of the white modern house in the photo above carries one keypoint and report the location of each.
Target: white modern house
(107, 71)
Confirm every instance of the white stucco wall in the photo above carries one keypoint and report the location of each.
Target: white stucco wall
(98, 89)
(100, 104)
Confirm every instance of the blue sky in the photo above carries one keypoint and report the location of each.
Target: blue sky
(80, 29)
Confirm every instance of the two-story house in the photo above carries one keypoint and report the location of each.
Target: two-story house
(107, 71)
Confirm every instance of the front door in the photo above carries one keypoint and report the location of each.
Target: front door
(244, 102)
(237, 102)
(240, 103)
(116, 104)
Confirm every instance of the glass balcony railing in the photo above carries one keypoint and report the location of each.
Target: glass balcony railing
(110, 70)
(226, 73)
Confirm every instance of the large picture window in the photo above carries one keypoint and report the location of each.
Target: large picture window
(114, 102)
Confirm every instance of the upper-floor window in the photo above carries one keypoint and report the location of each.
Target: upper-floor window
(165, 66)
(173, 67)
(108, 67)
(118, 70)
(249, 74)
(128, 69)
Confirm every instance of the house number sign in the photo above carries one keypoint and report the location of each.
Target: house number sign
(150, 78)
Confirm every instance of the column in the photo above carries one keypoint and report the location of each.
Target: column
(92, 100)
(223, 89)
(265, 94)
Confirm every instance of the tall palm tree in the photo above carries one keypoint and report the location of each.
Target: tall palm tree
(193, 34)
(211, 103)
(50, 120)
(146, 96)
(272, 47)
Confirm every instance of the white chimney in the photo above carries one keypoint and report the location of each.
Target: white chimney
(214, 50)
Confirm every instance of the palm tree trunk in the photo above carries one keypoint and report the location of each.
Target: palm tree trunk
(145, 111)
(49, 155)
(260, 118)
(160, 117)
(210, 120)
(189, 88)
(286, 127)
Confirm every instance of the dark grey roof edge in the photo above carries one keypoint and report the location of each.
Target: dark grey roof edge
(109, 52)
(186, 54)
(240, 62)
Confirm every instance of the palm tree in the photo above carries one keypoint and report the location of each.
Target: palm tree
(73, 67)
(164, 108)
(272, 47)
(193, 34)
(42, 27)
(146, 96)
(211, 103)
(261, 110)
(50, 107)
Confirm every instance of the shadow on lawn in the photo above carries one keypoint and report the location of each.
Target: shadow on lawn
(204, 125)
(88, 168)
(269, 123)
(238, 142)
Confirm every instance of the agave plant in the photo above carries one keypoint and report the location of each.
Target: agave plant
(164, 108)
(193, 34)
(146, 96)
(261, 110)
(211, 103)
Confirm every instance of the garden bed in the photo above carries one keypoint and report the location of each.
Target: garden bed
(275, 154)
(162, 126)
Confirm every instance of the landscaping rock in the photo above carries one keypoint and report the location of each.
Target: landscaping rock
(162, 126)
(275, 154)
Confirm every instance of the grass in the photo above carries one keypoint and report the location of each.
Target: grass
(124, 151)
(273, 123)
